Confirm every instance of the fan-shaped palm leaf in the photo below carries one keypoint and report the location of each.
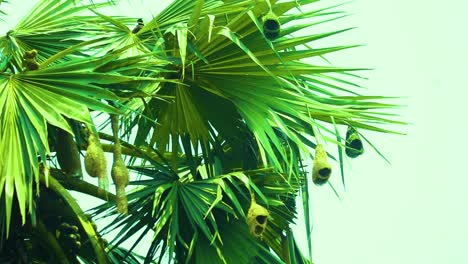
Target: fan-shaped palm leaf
(203, 216)
(280, 91)
(50, 27)
(235, 85)
(30, 100)
(220, 111)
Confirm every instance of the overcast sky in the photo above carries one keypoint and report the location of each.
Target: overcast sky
(415, 210)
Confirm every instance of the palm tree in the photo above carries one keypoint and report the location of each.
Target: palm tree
(212, 108)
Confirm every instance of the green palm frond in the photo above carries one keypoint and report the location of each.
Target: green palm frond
(93, 247)
(50, 27)
(294, 254)
(32, 99)
(115, 34)
(223, 103)
(203, 216)
(122, 255)
(266, 83)
(236, 85)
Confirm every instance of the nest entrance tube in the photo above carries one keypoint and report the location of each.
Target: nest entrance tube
(261, 219)
(258, 230)
(325, 172)
(271, 26)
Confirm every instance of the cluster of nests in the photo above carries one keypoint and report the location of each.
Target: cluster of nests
(96, 164)
(322, 169)
(95, 161)
(257, 217)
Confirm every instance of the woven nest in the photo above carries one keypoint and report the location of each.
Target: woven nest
(257, 219)
(271, 26)
(322, 169)
(354, 146)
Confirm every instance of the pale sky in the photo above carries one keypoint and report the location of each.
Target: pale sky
(414, 211)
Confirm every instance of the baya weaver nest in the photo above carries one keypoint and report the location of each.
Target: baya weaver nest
(257, 218)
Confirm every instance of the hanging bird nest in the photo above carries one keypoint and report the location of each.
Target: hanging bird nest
(354, 146)
(271, 26)
(120, 174)
(322, 169)
(257, 218)
(119, 171)
(95, 160)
